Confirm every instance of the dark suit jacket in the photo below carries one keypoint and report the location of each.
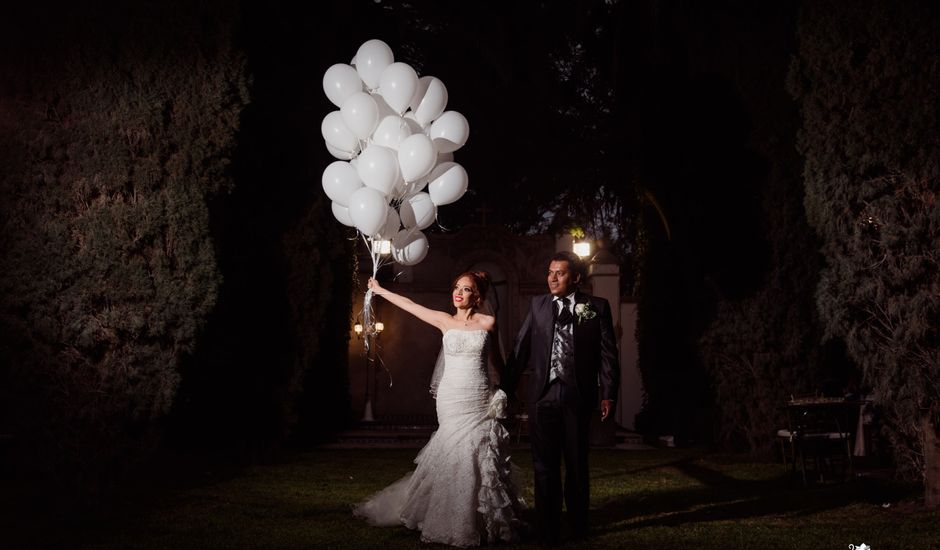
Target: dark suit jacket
(596, 359)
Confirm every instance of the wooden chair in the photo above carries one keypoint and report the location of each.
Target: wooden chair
(785, 438)
(818, 441)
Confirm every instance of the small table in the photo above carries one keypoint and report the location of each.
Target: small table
(819, 432)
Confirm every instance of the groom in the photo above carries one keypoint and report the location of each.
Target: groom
(568, 341)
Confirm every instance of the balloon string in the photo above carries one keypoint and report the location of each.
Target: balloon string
(368, 313)
(378, 358)
(368, 325)
(400, 196)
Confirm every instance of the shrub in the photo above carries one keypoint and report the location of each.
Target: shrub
(116, 129)
(866, 79)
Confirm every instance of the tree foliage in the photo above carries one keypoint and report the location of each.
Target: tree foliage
(538, 85)
(866, 79)
(116, 130)
(763, 343)
(714, 238)
(271, 364)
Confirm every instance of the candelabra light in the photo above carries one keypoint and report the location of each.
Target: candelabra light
(372, 333)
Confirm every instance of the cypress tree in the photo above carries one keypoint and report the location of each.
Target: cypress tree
(866, 78)
(762, 344)
(117, 128)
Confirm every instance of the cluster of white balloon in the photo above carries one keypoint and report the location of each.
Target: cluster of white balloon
(393, 139)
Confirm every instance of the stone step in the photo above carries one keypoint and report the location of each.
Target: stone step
(626, 440)
(374, 435)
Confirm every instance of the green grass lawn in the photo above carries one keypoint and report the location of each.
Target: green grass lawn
(643, 499)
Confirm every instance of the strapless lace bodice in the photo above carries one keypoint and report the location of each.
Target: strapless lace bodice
(465, 343)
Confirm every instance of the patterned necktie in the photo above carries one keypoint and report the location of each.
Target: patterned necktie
(564, 316)
(562, 344)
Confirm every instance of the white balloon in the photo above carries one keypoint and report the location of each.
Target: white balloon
(339, 82)
(340, 180)
(371, 59)
(378, 168)
(448, 183)
(391, 131)
(403, 189)
(416, 127)
(409, 247)
(422, 182)
(368, 210)
(400, 188)
(416, 156)
(341, 213)
(430, 100)
(450, 131)
(397, 85)
(418, 211)
(336, 133)
(384, 108)
(360, 114)
(423, 83)
(341, 155)
(416, 186)
(392, 224)
(353, 63)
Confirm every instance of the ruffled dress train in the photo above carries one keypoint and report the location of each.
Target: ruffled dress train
(462, 491)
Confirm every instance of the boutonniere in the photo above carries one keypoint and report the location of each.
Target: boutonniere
(584, 311)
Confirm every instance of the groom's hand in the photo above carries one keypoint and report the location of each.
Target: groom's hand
(606, 405)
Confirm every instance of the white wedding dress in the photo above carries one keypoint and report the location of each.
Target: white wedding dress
(461, 492)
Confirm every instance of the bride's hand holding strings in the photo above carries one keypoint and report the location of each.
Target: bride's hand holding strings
(374, 286)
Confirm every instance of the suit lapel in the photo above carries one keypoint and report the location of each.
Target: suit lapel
(580, 327)
(579, 298)
(545, 317)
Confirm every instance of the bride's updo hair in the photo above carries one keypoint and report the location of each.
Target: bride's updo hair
(481, 284)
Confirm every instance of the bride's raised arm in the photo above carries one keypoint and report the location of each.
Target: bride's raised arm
(438, 319)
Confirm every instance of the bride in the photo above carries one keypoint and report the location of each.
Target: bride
(461, 492)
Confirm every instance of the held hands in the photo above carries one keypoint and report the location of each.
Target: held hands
(606, 406)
